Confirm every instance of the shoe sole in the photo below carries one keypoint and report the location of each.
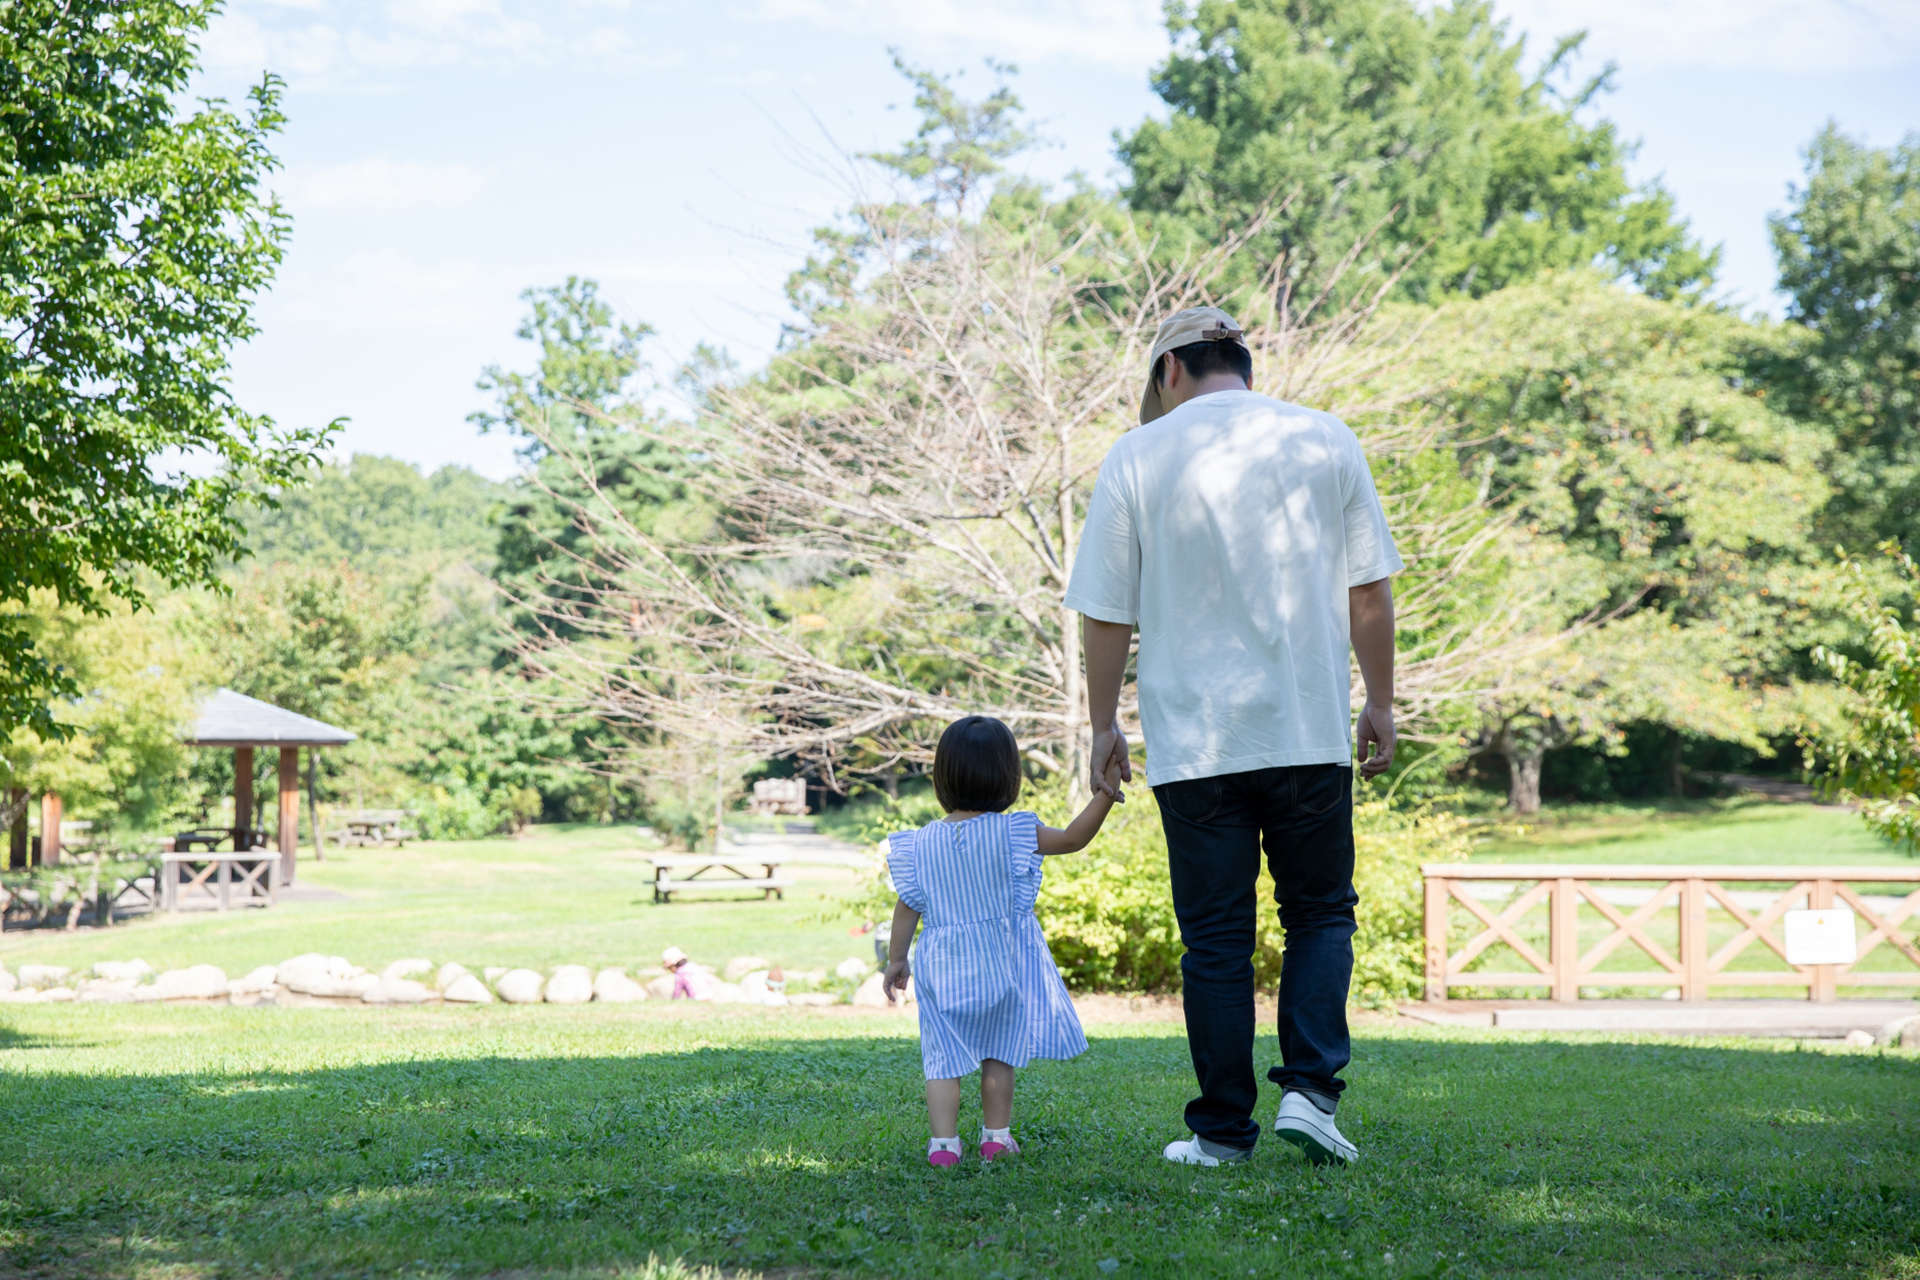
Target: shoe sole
(1310, 1146)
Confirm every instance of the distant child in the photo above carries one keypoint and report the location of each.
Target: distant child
(690, 981)
(990, 997)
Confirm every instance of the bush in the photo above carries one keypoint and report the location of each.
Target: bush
(1108, 912)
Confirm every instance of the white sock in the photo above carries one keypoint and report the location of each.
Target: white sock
(944, 1144)
(1002, 1136)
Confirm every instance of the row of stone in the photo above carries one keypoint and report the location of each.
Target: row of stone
(412, 981)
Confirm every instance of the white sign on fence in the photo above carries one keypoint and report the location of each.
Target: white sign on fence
(1821, 937)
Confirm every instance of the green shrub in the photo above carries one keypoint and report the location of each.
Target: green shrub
(1108, 912)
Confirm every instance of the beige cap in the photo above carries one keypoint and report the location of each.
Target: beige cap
(672, 956)
(1183, 329)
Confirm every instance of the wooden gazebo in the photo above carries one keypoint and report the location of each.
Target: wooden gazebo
(229, 719)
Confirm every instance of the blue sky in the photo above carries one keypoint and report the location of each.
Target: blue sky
(443, 155)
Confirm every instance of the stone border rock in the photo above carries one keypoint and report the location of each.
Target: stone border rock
(314, 979)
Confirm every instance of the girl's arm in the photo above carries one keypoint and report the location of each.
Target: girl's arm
(905, 921)
(1081, 831)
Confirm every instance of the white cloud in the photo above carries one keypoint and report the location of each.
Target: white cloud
(1119, 33)
(1752, 35)
(378, 184)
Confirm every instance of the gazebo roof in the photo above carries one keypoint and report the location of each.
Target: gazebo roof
(229, 719)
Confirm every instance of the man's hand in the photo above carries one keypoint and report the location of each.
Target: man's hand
(1375, 728)
(1110, 752)
(894, 978)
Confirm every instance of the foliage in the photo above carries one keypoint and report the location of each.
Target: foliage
(115, 757)
(1108, 911)
(1408, 137)
(1871, 755)
(1661, 513)
(133, 239)
(895, 498)
(1849, 253)
(379, 514)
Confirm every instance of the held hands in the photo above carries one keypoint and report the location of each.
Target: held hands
(1110, 761)
(1376, 738)
(894, 979)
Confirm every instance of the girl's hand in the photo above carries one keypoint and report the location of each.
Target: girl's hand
(1113, 779)
(894, 978)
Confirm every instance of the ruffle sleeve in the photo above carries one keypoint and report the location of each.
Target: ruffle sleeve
(905, 871)
(1023, 836)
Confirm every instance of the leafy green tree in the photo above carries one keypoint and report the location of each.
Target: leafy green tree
(382, 515)
(1849, 253)
(1660, 505)
(115, 757)
(134, 236)
(584, 431)
(1871, 755)
(1404, 134)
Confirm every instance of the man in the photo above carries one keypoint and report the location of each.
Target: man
(1243, 536)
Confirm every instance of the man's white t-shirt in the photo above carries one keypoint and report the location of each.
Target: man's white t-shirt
(1229, 531)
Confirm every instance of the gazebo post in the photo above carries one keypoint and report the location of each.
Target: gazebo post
(289, 812)
(49, 829)
(242, 799)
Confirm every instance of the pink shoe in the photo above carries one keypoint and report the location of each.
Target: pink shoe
(943, 1157)
(991, 1151)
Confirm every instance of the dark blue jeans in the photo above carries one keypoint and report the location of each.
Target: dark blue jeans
(1215, 828)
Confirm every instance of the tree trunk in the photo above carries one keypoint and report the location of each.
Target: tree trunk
(1523, 772)
(1073, 698)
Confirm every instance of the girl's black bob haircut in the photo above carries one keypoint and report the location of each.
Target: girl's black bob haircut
(976, 767)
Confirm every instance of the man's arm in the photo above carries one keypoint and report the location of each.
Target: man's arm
(1370, 620)
(1106, 645)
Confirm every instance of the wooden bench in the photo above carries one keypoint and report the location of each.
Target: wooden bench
(372, 828)
(665, 884)
(220, 880)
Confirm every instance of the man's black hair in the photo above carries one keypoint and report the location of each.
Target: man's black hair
(976, 767)
(1204, 359)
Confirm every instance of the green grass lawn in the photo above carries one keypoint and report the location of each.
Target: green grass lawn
(186, 1142)
(566, 895)
(1743, 832)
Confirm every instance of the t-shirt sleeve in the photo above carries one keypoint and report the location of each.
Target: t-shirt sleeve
(905, 872)
(1023, 833)
(1371, 554)
(1105, 584)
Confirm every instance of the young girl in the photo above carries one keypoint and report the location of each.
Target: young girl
(990, 997)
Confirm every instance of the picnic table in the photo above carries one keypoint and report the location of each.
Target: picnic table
(220, 880)
(666, 883)
(373, 828)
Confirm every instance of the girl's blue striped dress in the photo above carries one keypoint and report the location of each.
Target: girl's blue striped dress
(982, 975)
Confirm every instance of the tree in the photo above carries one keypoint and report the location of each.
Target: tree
(898, 497)
(1870, 756)
(1411, 142)
(380, 512)
(1662, 512)
(133, 239)
(1849, 254)
(115, 755)
(578, 403)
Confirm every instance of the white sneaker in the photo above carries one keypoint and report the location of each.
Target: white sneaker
(1313, 1131)
(1191, 1150)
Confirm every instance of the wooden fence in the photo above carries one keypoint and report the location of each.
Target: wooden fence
(1566, 967)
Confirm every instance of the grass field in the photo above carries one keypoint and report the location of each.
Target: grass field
(187, 1142)
(179, 1142)
(1743, 832)
(565, 895)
